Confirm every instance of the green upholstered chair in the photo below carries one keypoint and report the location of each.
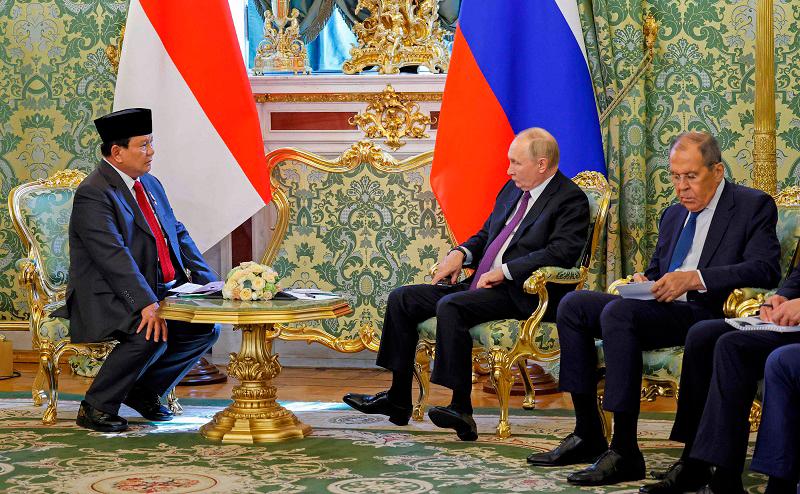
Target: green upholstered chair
(361, 224)
(506, 343)
(40, 211)
(661, 369)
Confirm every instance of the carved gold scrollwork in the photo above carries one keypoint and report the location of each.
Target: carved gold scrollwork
(398, 33)
(281, 50)
(392, 115)
(114, 52)
(64, 178)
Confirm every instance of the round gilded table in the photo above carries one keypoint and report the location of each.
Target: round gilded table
(254, 416)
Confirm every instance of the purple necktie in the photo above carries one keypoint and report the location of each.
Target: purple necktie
(494, 248)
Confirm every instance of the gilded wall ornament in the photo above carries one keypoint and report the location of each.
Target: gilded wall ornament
(398, 33)
(392, 115)
(114, 52)
(282, 49)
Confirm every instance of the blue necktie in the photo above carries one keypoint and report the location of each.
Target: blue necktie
(684, 242)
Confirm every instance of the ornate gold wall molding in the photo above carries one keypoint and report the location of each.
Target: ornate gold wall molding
(765, 169)
(15, 326)
(392, 115)
(398, 33)
(361, 97)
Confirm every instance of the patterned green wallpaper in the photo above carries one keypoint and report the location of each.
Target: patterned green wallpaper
(54, 78)
(702, 79)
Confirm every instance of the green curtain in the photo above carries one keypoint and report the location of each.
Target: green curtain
(315, 13)
(701, 79)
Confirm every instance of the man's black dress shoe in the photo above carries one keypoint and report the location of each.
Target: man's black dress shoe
(98, 420)
(681, 477)
(572, 450)
(148, 405)
(610, 468)
(380, 404)
(448, 418)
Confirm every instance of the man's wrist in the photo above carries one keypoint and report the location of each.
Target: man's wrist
(459, 249)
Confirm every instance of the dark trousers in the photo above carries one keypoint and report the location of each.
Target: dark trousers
(778, 446)
(153, 366)
(720, 390)
(627, 327)
(457, 309)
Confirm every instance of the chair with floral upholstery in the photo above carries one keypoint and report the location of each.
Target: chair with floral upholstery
(361, 225)
(40, 211)
(661, 370)
(506, 343)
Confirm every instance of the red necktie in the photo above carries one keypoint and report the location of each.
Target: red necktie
(167, 270)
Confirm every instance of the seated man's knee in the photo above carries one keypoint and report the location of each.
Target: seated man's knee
(569, 309)
(615, 314)
(399, 296)
(732, 344)
(448, 304)
(703, 335)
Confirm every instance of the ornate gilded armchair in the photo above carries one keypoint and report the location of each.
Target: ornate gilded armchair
(505, 343)
(661, 369)
(361, 225)
(40, 211)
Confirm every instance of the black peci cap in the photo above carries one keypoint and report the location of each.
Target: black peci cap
(123, 124)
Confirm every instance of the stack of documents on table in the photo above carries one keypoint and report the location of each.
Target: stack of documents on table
(195, 290)
(310, 294)
(756, 324)
(637, 291)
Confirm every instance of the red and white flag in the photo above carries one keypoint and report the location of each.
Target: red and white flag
(182, 59)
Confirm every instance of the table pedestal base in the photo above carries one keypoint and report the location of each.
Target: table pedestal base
(254, 416)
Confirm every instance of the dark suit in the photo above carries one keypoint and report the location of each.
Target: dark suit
(777, 451)
(552, 233)
(741, 249)
(114, 273)
(716, 393)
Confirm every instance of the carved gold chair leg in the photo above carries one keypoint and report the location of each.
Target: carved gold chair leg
(606, 418)
(422, 371)
(49, 356)
(37, 389)
(755, 416)
(502, 379)
(172, 403)
(529, 403)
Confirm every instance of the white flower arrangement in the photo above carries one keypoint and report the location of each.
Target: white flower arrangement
(251, 281)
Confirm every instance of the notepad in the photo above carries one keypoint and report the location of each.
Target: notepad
(637, 291)
(195, 290)
(756, 324)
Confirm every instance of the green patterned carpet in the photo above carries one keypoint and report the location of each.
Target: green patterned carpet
(347, 453)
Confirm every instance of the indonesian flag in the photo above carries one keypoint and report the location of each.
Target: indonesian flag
(181, 59)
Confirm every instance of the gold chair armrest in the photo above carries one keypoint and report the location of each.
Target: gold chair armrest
(552, 274)
(743, 302)
(613, 288)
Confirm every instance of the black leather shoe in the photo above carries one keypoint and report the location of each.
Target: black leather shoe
(681, 477)
(148, 405)
(98, 420)
(448, 418)
(572, 450)
(610, 468)
(379, 404)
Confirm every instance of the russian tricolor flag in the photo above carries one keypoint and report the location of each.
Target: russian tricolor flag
(181, 58)
(515, 64)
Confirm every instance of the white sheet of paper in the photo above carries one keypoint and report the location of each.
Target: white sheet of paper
(637, 291)
(188, 288)
(310, 294)
(185, 288)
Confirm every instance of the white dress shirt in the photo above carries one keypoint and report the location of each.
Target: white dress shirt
(699, 240)
(498, 260)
